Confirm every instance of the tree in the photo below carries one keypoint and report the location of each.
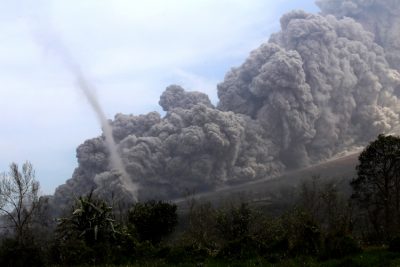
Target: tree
(325, 201)
(233, 229)
(153, 220)
(201, 232)
(234, 223)
(376, 189)
(89, 235)
(19, 199)
(91, 220)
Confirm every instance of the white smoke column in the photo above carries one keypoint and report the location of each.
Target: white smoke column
(50, 42)
(116, 160)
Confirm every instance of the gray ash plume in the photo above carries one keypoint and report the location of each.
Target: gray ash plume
(322, 85)
(195, 146)
(319, 86)
(381, 17)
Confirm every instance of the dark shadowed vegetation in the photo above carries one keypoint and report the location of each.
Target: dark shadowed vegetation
(324, 225)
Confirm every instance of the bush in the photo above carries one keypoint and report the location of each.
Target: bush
(201, 231)
(239, 249)
(233, 224)
(14, 254)
(90, 219)
(187, 254)
(124, 248)
(302, 233)
(394, 244)
(271, 238)
(71, 252)
(153, 220)
(340, 246)
(145, 250)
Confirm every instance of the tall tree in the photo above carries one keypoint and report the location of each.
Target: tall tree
(377, 186)
(19, 199)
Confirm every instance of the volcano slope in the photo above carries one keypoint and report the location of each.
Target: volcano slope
(279, 193)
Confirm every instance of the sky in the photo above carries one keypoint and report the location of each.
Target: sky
(130, 50)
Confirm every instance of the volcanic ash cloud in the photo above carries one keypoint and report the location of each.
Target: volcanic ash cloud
(381, 17)
(320, 86)
(194, 147)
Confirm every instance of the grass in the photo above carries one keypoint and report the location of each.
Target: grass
(370, 257)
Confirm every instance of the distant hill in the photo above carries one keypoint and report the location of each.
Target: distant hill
(280, 191)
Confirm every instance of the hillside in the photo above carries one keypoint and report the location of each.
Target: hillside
(280, 190)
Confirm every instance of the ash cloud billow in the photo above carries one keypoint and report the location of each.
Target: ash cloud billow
(322, 85)
(381, 17)
(319, 86)
(195, 146)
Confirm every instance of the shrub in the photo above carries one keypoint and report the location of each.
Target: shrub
(71, 252)
(302, 233)
(239, 249)
(271, 238)
(153, 220)
(14, 254)
(233, 223)
(340, 246)
(201, 231)
(187, 254)
(394, 244)
(91, 219)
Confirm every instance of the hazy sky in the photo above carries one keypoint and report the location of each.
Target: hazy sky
(130, 49)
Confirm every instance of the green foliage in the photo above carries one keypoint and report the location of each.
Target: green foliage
(326, 206)
(302, 233)
(372, 257)
(339, 246)
(201, 233)
(15, 254)
(376, 189)
(315, 233)
(188, 254)
(90, 235)
(233, 229)
(145, 250)
(330, 211)
(71, 252)
(91, 219)
(238, 249)
(271, 238)
(233, 223)
(153, 220)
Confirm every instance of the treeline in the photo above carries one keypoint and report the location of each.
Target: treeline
(324, 222)
(150, 232)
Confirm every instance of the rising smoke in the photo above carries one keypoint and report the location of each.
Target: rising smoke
(118, 171)
(322, 85)
(112, 161)
(382, 18)
(319, 86)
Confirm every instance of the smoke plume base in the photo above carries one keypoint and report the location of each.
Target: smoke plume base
(112, 159)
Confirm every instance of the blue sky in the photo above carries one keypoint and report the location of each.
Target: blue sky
(130, 49)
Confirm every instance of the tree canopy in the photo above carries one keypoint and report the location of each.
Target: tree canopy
(377, 186)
